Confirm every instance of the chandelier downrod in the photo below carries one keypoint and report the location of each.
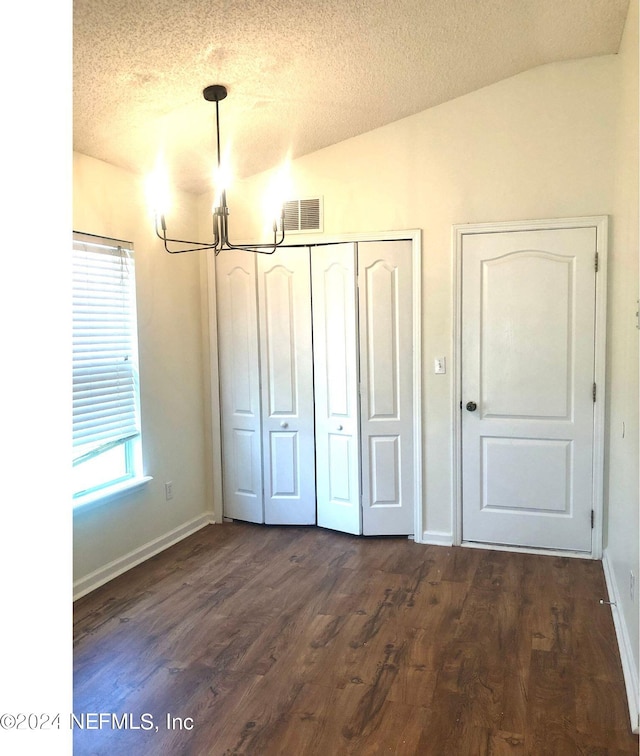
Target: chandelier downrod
(216, 93)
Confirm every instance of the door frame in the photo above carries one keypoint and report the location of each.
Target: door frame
(459, 231)
(211, 365)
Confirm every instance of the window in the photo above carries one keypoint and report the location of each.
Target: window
(106, 416)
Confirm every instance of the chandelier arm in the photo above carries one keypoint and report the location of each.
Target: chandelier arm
(202, 248)
(258, 247)
(263, 249)
(196, 246)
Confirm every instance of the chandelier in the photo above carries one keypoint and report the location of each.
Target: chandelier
(216, 93)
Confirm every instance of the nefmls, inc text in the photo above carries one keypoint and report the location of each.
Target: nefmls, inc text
(105, 720)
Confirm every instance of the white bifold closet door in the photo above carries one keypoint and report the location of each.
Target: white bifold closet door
(240, 406)
(339, 316)
(286, 357)
(266, 386)
(385, 315)
(335, 343)
(363, 358)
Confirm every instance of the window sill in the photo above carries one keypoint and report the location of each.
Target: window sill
(104, 495)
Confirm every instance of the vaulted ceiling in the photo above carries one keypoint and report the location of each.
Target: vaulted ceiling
(301, 75)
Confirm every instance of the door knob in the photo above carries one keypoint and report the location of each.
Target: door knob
(472, 406)
(339, 427)
(284, 425)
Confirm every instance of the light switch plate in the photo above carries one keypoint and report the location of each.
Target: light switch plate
(440, 365)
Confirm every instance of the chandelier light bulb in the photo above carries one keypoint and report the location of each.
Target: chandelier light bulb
(158, 190)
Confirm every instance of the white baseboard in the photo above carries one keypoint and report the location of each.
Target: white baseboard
(624, 644)
(102, 575)
(436, 538)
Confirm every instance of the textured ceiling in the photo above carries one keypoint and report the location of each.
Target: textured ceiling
(301, 74)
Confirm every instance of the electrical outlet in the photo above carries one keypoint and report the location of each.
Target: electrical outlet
(632, 586)
(168, 490)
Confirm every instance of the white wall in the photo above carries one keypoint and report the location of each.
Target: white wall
(621, 494)
(109, 201)
(538, 145)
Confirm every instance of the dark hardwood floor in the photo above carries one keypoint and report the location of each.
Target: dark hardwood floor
(301, 641)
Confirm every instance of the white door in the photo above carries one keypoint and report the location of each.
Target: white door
(286, 361)
(239, 385)
(528, 335)
(335, 343)
(386, 386)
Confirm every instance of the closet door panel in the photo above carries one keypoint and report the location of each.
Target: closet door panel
(336, 387)
(386, 375)
(239, 385)
(284, 296)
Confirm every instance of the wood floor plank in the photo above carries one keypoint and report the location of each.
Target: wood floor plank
(305, 642)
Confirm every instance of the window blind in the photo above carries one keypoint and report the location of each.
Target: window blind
(105, 385)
